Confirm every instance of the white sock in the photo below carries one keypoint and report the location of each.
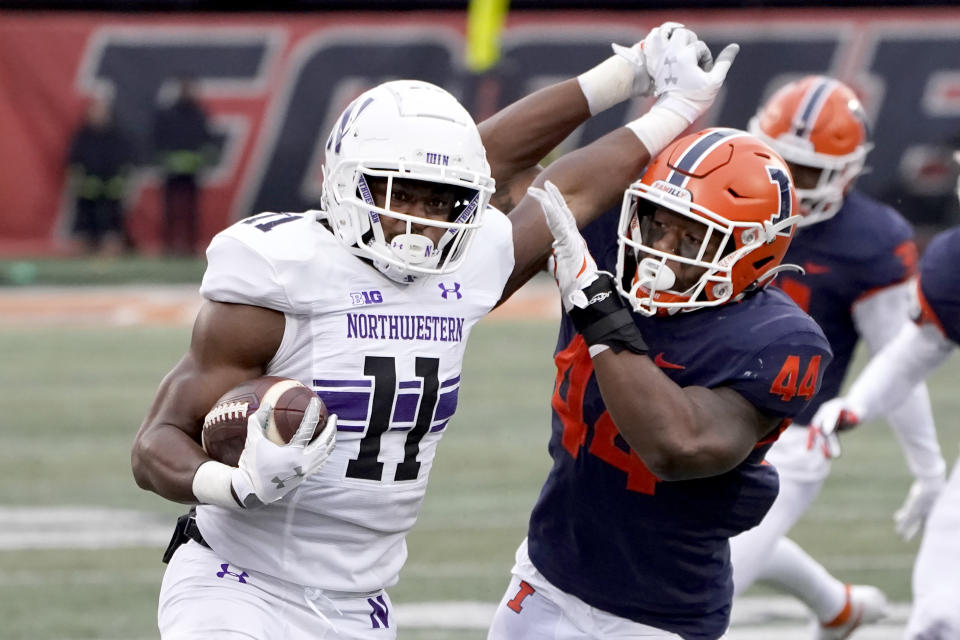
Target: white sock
(791, 569)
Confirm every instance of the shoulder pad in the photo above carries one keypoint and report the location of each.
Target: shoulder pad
(246, 262)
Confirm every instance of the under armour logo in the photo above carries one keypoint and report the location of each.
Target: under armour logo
(225, 571)
(670, 79)
(454, 289)
(282, 482)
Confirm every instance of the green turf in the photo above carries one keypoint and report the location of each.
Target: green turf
(106, 270)
(73, 398)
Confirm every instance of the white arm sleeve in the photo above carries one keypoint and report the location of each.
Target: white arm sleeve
(899, 367)
(878, 319)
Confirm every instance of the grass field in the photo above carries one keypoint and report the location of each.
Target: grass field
(73, 398)
(100, 270)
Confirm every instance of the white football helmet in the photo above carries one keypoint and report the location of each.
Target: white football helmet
(817, 122)
(411, 130)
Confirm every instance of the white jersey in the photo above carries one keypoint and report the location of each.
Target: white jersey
(385, 357)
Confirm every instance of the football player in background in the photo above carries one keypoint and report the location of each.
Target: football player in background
(370, 301)
(662, 417)
(858, 258)
(886, 383)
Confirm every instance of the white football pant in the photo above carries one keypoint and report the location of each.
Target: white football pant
(533, 609)
(802, 474)
(936, 573)
(204, 598)
(765, 553)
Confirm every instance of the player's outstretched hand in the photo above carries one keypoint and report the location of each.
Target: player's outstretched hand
(623, 75)
(268, 471)
(642, 81)
(909, 518)
(832, 417)
(685, 76)
(572, 265)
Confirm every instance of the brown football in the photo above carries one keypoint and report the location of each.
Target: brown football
(225, 426)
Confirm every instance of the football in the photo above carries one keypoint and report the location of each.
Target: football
(225, 426)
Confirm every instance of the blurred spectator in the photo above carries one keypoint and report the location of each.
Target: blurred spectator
(184, 147)
(101, 158)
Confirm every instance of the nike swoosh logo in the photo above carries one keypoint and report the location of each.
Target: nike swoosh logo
(663, 364)
(814, 268)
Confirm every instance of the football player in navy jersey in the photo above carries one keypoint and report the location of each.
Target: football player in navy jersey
(355, 300)
(858, 258)
(673, 378)
(917, 351)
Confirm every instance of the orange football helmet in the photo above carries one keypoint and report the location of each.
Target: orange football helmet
(739, 196)
(817, 122)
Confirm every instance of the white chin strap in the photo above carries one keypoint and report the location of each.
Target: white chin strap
(394, 272)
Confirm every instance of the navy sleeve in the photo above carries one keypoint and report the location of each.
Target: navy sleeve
(783, 377)
(939, 286)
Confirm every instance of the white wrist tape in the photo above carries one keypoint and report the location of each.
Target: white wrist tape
(657, 128)
(607, 84)
(596, 349)
(213, 484)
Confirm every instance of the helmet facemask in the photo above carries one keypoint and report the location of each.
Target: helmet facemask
(654, 280)
(382, 198)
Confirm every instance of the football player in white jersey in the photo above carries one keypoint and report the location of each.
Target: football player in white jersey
(370, 301)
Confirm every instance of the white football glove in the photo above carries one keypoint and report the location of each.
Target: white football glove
(571, 263)
(832, 417)
(685, 77)
(910, 517)
(268, 471)
(642, 82)
(621, 76)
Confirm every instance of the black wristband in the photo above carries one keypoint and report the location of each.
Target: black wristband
(606, 319)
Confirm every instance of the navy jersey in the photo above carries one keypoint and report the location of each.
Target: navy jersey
(604, 528)
(865, 247)
(939, 286)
